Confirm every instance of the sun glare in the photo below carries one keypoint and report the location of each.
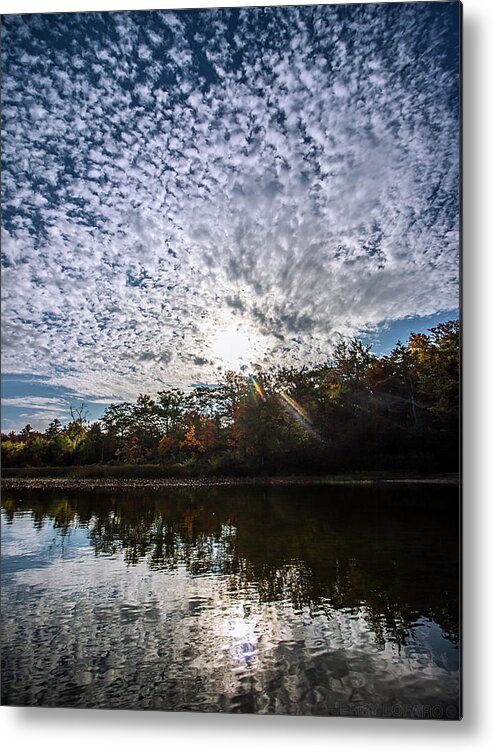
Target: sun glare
(234, 348)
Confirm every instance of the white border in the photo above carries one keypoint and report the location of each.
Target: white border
(52, 730)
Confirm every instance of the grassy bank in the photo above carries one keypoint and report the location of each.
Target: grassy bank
(175, 473)
(102, 472)
(80, 481)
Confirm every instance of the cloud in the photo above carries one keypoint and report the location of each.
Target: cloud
(293, 170)
(38, 403)
(35, 410)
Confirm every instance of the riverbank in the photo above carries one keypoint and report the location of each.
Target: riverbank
(157, 483)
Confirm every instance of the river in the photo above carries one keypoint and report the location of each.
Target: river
(308, 600)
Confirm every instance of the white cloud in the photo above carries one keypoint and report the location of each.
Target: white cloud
(158, 188)
(38, 403)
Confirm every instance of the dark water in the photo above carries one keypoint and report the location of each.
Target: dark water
(307, 600)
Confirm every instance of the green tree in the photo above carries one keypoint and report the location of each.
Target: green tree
(93, 448)
(53, 429)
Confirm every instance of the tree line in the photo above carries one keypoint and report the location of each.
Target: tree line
(356, 411)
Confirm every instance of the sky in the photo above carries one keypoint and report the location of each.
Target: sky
(185, 192)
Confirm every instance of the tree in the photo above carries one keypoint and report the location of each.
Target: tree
(117, 421)
(169, 409)
(166, 447)
(35, 451)
(53, 429)
(145, 422)
(77, 428)
(134, 450)
(94, 444)
(208, 435)
(60, 449)
(12, 453)
(190, 442)
(404, 361)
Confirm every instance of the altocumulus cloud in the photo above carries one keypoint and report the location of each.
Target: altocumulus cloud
(292, 171)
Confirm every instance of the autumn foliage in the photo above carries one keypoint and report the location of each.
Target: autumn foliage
(355, 411)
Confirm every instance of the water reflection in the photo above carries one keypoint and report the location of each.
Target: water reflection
(302, 600)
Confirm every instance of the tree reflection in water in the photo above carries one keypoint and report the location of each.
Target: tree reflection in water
(390, 553)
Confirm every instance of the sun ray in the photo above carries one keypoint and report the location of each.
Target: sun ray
(297, 412)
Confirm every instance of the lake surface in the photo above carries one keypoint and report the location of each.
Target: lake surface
(302, 600)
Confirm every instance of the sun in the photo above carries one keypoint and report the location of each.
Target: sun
(234, 347)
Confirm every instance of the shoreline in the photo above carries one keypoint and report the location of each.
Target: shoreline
(157, 483)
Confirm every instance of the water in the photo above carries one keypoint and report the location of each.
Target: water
(301, 600)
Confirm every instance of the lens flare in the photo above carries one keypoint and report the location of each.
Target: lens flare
(258, 389)
(300, 415)
(295, 405)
